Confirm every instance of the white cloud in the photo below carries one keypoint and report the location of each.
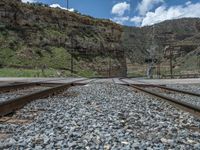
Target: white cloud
(163, 13)
(30, 1)
(147, 5)
(58, 6)
(120, 8)
(136, 19)
(188, 3)
(120, 19)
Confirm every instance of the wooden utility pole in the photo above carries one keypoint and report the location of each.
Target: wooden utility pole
(72, 58)
(72, 51)
(198, 63)
(171, 65)
(158, 70)
(109, 66)
(72, 63)
(171, 50)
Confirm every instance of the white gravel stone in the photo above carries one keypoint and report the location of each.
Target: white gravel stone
(104, 116)
(195, 100)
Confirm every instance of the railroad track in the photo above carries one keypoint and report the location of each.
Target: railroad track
(194, 109)
(11, 105)
(20, 85)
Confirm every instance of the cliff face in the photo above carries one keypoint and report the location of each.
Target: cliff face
(183, 35)
(36, 36)
(29, 33)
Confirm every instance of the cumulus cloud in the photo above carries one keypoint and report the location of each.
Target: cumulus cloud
(147, 5)
(120, 8)
(188, 3)
(58, 6)
(163, 13)
(120, 19)
(137, 20)
(30, 1)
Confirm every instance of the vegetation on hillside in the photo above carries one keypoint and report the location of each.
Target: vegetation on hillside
(41, 37)
(182, 35)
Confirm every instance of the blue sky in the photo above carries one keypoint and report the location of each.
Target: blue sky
(133, 12)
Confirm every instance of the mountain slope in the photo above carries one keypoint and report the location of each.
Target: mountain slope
(38, 36)
(182, 35)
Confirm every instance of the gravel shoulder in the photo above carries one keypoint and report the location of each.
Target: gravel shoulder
(187, 87)
(195, 100)
(103, 116)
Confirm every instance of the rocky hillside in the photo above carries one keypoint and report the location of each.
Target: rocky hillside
(182, 35)
(33, 36)
(37, 36)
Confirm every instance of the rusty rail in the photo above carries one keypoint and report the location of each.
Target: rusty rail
(176, 90)
(15, 86)
(183, 105)
(163, 87)
(12, 105)
(5, 88)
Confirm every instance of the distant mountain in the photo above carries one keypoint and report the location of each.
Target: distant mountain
(36, 36)
(182, 35)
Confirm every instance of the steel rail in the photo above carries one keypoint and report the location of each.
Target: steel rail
(177, 90)
(190, 107)
(185, 104)
(167, 88)
(5, 88)
(12, 105)
(8, 87)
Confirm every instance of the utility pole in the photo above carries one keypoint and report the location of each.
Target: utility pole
(72, 51)
(109, 72)
(72, 63)
(72, 58)
(198, 63)
(171, 50)
(171, 65)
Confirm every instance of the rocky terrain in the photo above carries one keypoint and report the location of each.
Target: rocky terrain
(181, 35)
(34, 36)
(38, 36)
(102, 116)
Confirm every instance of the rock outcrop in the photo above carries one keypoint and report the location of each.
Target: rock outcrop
(36, 29)
(183, 35)
(33, 35)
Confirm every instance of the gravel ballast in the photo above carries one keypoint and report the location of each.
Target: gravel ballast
(103, 116)
(190, 99)
(187, 87)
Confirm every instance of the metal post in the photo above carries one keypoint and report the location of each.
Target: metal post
(72, 63)
(109, 72)
(198, 63)
(72, 58)
(158, 70)
(171, 65)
